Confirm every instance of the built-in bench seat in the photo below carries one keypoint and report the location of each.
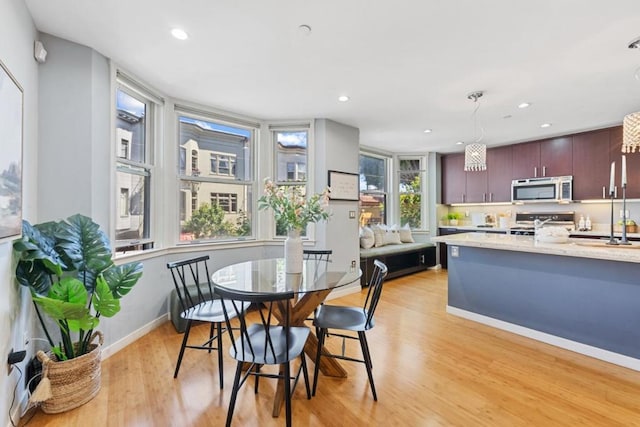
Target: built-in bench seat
(402, 259)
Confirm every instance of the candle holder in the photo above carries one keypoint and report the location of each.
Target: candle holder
(624, 240)
(612, 240)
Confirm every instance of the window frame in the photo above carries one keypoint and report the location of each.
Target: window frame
(387, 191)
(154, 106)
(274, 129)
(218, 118)
(424, 214)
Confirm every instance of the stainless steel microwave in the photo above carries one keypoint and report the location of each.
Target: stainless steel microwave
(547, 189)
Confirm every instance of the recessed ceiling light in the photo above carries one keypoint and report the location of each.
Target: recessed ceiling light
(304, 29)
(459, 143)
(343, 98)
(524, 105)
(179, 34)
(508, 116)
(545, 125)
(427, 131)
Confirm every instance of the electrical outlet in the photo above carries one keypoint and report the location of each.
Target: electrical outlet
(455, 251)
(353, 264)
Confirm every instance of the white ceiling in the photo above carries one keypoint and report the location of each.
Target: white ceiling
(406, 64)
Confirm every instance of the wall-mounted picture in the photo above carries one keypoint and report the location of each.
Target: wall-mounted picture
(10, 156)
(343, 185)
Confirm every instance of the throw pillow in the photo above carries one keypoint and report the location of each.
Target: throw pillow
(405, 234)
(367, 238)
(392, 237)
(378, 236)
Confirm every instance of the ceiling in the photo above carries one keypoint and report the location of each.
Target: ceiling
(407, 65)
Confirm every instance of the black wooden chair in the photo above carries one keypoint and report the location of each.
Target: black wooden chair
(353, 319)
(198, 302)
(317, 255)
(264, 342)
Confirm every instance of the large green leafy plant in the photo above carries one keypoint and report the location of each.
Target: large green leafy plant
(67, 266)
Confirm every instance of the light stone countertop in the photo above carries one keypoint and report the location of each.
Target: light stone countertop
(580, 248)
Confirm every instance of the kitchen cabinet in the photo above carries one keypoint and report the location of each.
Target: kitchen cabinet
(526, 160)
(499, 172)
(491, 185)
(591, 165)
(476, 187)
(453, 178)
(549, 157)
(556, 156)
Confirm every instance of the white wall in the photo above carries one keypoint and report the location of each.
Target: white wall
(337, 148)
(17, 34)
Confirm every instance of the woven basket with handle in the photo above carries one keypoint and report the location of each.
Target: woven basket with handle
(72, 382)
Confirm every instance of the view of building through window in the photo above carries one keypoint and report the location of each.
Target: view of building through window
(373, 189)
(291, 163)
(133, 171)
(216, 179)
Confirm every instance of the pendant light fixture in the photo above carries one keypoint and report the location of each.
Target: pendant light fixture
(475, 154)
(631, 133)
(631, 122)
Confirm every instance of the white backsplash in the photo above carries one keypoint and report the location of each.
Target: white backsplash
(599, 212)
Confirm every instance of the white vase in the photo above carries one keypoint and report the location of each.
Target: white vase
(293, 252)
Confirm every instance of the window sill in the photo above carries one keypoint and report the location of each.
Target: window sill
(193, 247)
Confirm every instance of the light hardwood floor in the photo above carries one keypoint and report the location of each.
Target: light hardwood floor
(430, 369)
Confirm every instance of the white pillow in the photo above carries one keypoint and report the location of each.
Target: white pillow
(378, 235)
(367, 238)
(392, 236)
(405, 234)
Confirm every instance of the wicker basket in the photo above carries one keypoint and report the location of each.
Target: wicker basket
(73, 382)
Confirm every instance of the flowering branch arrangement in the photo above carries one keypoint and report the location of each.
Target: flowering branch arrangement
(290, 206)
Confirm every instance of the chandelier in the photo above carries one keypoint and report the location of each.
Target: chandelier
(475, 154)
(631, 133)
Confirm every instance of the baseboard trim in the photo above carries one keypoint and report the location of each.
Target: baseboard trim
(135, 335)
(577, 347)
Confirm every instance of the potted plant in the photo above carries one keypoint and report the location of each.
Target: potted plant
(68, 267)
(453, 217)
(631, 226)
(293, 211)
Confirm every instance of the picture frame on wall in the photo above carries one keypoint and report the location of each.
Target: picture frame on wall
(11, 134)
(344, 186)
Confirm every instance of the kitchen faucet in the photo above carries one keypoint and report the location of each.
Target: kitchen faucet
(537, 224)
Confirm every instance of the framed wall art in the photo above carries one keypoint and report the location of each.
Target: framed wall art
(11, 109)
(344, 186)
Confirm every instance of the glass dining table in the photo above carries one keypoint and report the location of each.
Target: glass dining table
(311, 288)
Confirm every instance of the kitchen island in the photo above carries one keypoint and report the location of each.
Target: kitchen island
(582, 295)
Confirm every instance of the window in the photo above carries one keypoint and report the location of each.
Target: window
(223, 164)
(291, 162)
(410, 180)
(226, 201)
(373, 189)
(124, 202)
(222, 198)
(135, 122)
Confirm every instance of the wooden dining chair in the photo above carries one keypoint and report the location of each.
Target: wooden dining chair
(199, 303)
(264, 342)
(350, 319)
